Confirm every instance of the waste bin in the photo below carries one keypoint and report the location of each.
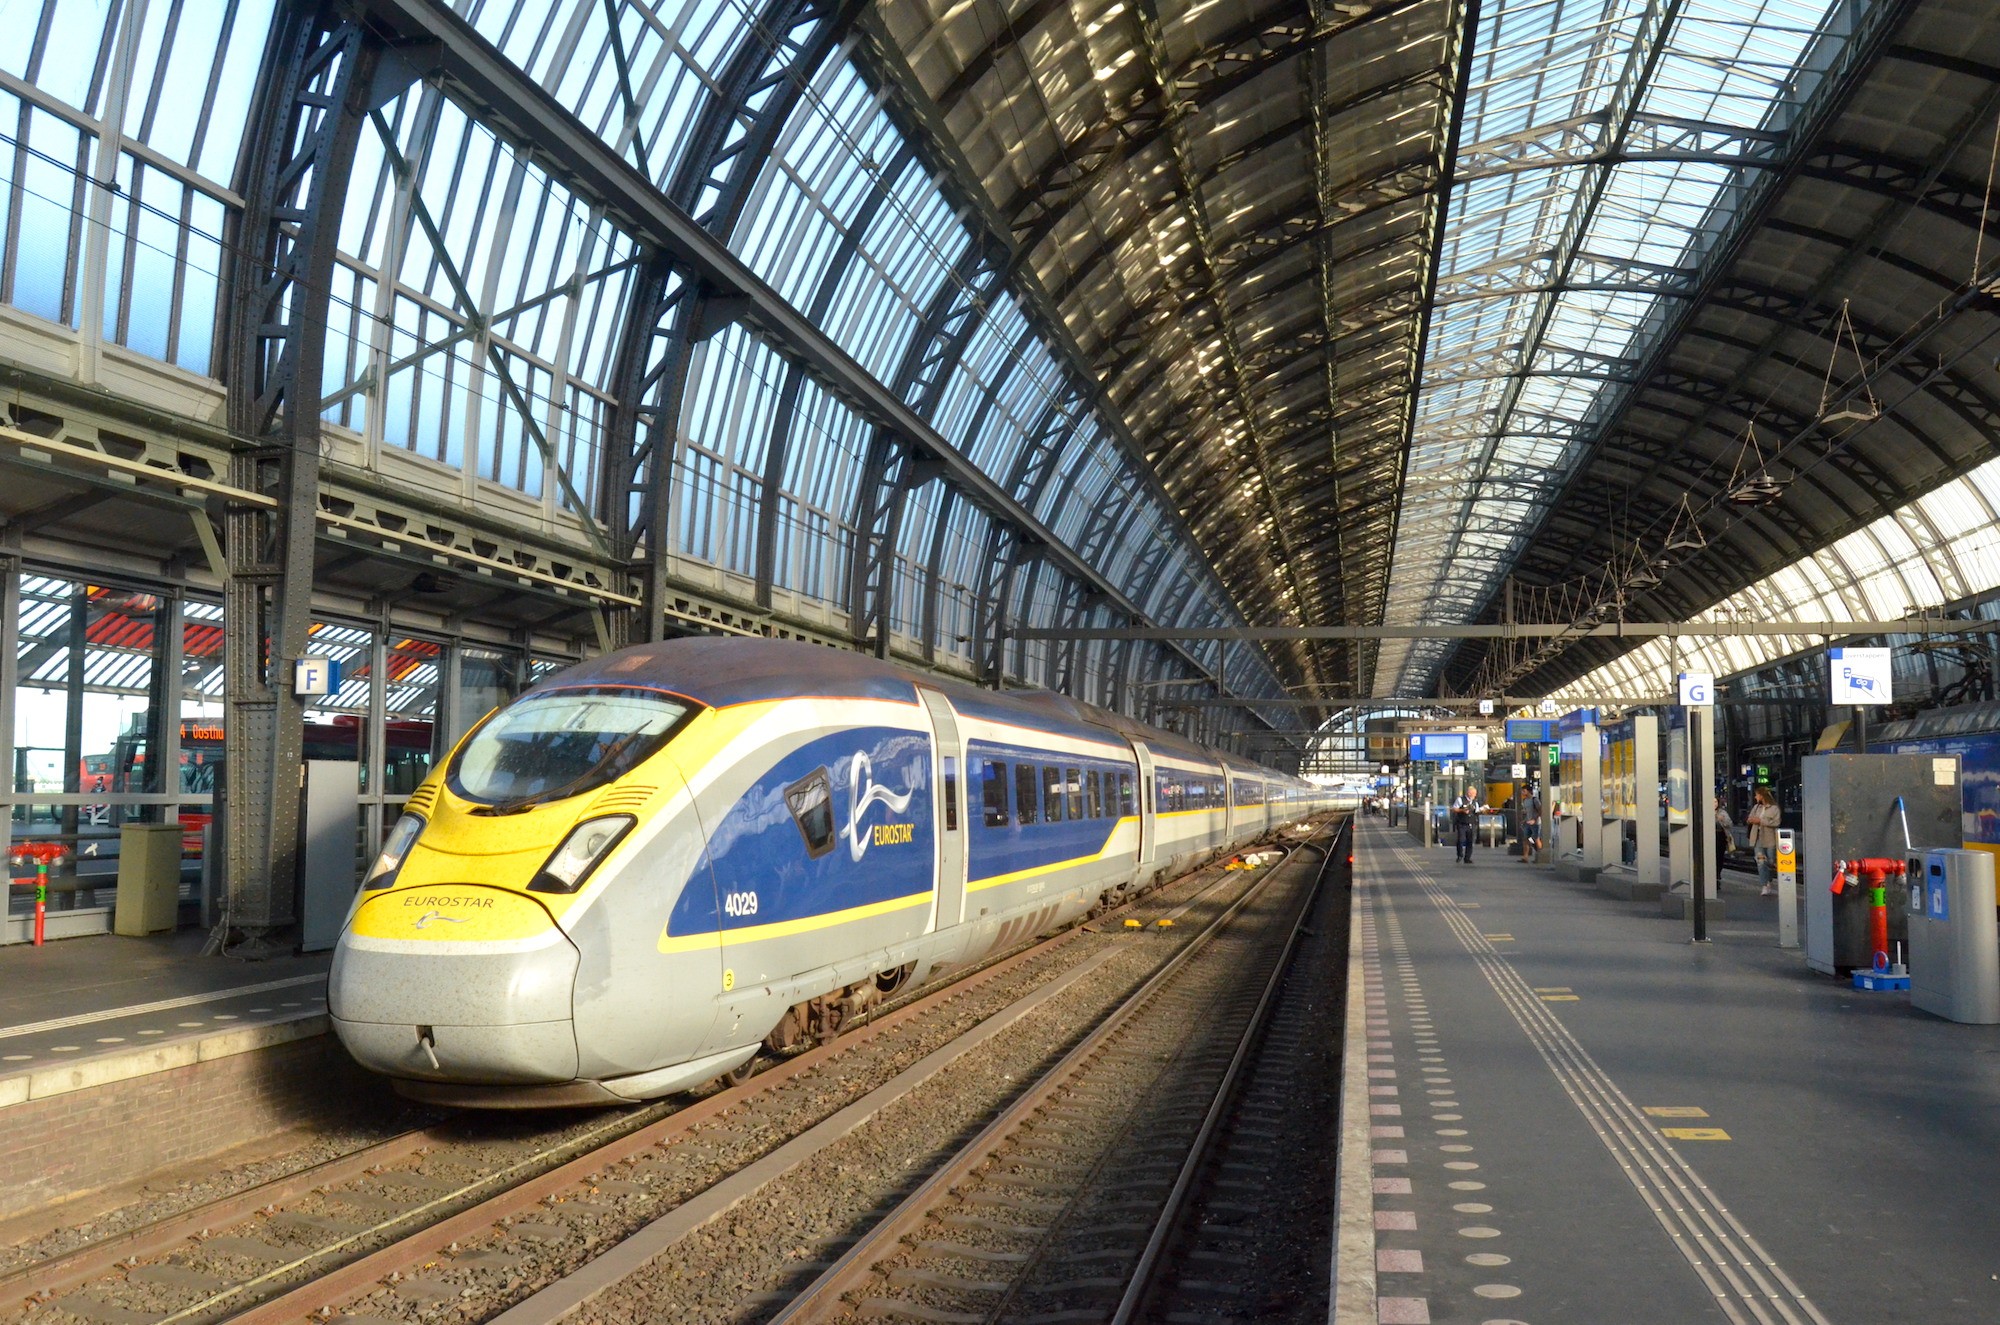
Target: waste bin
(1954, 943)
(149, 879)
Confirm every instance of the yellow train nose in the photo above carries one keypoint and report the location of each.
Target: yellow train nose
(451, 913)
(456, 982)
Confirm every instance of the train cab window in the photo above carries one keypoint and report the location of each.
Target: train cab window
(811, 802)
(1073, 791)
(1096, 794)
(951, 793)
(555, 744)
(993, 794)
(1025, 794)
(1052, 797)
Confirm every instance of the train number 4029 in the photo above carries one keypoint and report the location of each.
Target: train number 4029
(739, 904)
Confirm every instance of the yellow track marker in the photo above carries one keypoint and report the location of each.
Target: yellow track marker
(1560, 998)
(1130, 923)
(1694, 1133)
(1469, 906)
(1166, 924)
(1498, 938)
(1554, 989)
(1675, 1111)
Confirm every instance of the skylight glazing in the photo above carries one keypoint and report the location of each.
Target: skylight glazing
(1602, 143)
(670, 53)
(1940, 548)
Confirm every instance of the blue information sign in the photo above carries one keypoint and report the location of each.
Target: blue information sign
(1438, 747)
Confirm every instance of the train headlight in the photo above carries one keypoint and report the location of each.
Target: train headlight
(571, 863)
(394, 851)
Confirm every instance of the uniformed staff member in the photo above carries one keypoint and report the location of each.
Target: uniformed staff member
(1464, 820)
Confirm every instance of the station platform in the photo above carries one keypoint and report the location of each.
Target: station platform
(1573, 1114)
(86, 997)
(125, 1055)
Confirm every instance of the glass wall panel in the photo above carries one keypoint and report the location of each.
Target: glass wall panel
(487, 348)
(175, 79)
(823, 463)
(487, 678)
(90, 701)
(734, 389)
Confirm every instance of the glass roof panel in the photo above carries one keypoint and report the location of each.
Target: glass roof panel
(1574, 198)
(1879, 571)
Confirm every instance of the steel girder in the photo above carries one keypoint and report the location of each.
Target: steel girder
(784, 419)
(1400, 183)
(1038, 207)
(891, 471)
(672, 309)
(933, 589)
(1005, 548)
(1785, 312)
(1619, 116)
(906, 100)
(306, 118)
(516, 107)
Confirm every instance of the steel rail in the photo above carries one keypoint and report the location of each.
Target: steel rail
(96, 1259)
(1145, 1273)
(823, 1296)
(342, 1283)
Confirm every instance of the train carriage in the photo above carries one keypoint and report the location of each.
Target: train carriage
(653, 863)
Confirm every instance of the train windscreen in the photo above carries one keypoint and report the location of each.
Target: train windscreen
(562, 743)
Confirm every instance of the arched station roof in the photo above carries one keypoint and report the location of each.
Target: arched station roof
(914, 327)
(1834, 339)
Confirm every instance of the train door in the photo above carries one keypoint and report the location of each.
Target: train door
(948, 776)
(1149, 843)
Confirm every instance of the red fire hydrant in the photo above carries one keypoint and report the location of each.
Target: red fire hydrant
(1875, 871)
(43, 854)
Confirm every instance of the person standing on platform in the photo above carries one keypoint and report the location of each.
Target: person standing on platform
(1531, 825)
(1464, 822)
(1763, 819)
(1723, 823)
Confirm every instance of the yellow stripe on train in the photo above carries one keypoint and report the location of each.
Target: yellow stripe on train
(778, 929)
(1037, 871)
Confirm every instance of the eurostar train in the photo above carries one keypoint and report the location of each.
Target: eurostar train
(652, 864)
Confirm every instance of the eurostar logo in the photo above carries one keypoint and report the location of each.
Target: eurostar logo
(429, 916)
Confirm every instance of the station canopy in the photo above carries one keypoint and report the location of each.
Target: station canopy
(1429, 312)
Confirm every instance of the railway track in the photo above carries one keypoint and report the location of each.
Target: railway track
(465, 1217)
(1066, 1205)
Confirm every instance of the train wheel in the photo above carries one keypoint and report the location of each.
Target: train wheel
(742, 1072)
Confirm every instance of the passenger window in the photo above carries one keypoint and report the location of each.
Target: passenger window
(1125, 810)
(1052, 797)
(1024, 794)
(993, 794)
(1096, 795)
(1073, 790)
(811, 802)
(951, 793)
